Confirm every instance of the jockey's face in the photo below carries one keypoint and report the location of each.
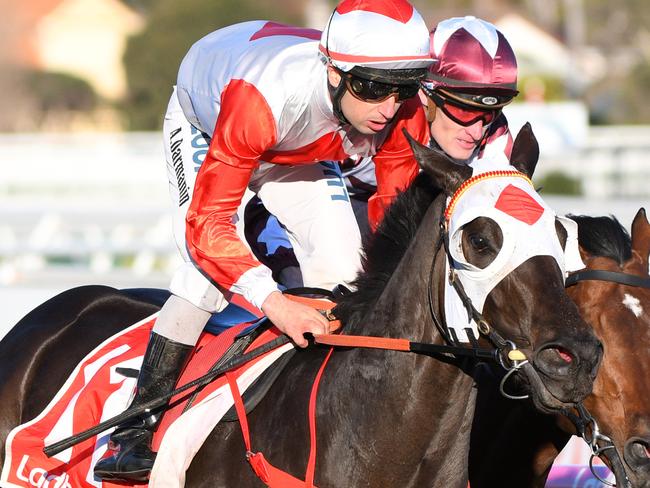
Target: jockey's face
(366, 117)
(459, 142)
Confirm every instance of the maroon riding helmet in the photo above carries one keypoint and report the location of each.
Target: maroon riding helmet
(474, 74)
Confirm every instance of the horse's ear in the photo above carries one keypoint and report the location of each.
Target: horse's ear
(641, 236)
(443, 171)
(525, 151)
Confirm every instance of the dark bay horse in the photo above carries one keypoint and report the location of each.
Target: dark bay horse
(502, 454)
(386, 419)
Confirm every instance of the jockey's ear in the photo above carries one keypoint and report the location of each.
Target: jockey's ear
(641, 236)
(525, 151)
(444, 172)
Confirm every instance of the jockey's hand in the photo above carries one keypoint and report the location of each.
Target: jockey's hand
(294, 319)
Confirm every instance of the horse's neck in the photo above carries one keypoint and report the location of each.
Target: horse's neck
(428, 400)
(402, 309)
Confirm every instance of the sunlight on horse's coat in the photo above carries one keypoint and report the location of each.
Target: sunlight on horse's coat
(633, 304)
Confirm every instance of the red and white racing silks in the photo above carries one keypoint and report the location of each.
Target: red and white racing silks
(260, 89)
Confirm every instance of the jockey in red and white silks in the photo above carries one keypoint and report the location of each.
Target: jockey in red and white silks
(263, 105)
(261, 89)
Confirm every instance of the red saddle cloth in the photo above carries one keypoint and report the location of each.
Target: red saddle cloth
(93, 393)
(96, 392)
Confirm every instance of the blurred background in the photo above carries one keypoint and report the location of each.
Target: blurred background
(84, 85)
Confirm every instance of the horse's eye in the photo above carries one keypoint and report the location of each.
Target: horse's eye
(478, 242)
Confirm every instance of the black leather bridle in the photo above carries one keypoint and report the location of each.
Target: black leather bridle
(603, 275)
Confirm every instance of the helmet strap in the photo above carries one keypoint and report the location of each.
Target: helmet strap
(431, 112)
(336, 94)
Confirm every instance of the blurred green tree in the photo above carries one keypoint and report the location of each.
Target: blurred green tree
(152, 57)
(621, 99)
(559, 183)
(59, 91)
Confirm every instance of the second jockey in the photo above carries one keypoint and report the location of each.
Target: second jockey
(474, 75)
(270, 102)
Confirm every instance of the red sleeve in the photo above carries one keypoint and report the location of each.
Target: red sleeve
(395, 165)
(245, 128)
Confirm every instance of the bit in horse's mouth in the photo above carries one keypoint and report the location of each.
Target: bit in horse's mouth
(543, 399)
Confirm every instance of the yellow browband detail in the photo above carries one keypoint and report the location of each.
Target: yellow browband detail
(475, 179)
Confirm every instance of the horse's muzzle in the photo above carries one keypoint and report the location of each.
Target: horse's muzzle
(568, 368)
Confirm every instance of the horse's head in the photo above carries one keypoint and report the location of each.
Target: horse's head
(510, 253)
(620, 316)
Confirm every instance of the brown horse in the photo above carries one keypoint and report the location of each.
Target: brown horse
(613, 295)
(386, 419)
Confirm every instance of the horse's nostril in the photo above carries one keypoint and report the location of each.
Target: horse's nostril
(564, 354)
(554, 359)
(637, 451)
(641, 450)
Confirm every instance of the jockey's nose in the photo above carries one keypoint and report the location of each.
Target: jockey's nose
(389, 107)
(476, 130)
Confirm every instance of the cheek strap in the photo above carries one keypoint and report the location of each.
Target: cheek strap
(431, 112)
(336, 94)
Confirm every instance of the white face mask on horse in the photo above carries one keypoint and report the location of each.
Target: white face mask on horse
(527, 225)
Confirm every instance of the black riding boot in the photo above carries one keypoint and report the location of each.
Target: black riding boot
(133, 458)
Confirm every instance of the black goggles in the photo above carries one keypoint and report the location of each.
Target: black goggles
(376, 91)
(461, 114)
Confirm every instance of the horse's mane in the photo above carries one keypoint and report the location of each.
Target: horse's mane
(385, 248)
(604, 237)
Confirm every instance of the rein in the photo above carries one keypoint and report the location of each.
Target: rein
(503, 353)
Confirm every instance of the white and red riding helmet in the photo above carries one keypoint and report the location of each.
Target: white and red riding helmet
(472, 61)
(387, 40)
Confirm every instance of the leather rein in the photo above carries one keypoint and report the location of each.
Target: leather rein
(504, 352)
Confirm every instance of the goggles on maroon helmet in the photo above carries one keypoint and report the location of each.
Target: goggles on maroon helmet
(465, 111)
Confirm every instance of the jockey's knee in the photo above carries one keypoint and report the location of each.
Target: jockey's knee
(192, 285)
(330, 270)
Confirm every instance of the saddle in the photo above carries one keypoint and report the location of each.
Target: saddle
(101, 386)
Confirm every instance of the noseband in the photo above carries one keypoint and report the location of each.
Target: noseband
(512, 359)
